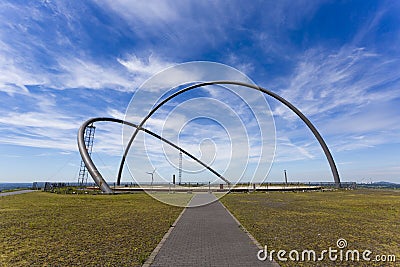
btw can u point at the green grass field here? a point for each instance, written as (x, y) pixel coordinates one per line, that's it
(44, 229)
(367, 219)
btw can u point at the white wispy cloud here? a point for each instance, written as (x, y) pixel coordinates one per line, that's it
(351, 77)
(345, 94)
(159, 12)
(73, 72)
(35, 52)
(77, 73)
(140, 67)
(31, 55)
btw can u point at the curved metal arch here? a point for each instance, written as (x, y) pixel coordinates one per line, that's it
(317, 135)
(97, 177)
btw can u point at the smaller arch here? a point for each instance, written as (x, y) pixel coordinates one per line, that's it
(94, 172)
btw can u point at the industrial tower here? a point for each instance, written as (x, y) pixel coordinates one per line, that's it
(89, 138)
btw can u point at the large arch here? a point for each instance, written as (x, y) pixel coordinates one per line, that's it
(317, 135)
(91, 167)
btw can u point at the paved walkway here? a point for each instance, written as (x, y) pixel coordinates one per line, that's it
(208, 236)
(16, 192)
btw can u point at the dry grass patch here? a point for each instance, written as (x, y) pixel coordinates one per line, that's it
(43, 229)
(367, 219)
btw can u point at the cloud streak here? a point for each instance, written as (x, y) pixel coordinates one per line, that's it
(346, 94)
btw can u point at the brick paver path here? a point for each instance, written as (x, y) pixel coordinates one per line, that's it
(208, 236)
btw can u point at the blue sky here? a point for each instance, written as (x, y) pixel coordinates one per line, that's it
(62, 62)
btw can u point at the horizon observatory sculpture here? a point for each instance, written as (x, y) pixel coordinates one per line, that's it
(103, 185)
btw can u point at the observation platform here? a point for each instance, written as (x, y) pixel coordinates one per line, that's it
(170, 188)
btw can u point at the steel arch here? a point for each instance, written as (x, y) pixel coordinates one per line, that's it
(91, 167)
(317, 135)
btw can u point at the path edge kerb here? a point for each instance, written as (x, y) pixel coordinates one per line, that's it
(154, 253)
(255, 242)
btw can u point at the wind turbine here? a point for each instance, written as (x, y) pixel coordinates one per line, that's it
(152, 176)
